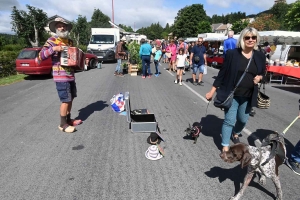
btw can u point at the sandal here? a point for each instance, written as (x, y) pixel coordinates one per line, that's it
(67, 128)
(75, 122)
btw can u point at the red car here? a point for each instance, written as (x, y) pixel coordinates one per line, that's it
(27, 62)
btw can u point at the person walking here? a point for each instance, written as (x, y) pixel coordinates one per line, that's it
(198, 60)
(120, 53)
(145, 53)
(157, 57)
(63, 76)
(245, 96)
(172, 48)
(229, 43)
(184, 46)
(163, 49)
(180, 64)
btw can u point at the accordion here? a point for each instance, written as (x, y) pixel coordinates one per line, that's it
(73, 57)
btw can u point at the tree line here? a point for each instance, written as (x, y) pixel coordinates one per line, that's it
(189, 22)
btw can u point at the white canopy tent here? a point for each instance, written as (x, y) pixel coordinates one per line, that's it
(287, 37)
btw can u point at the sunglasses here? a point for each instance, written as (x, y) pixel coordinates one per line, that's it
(200, 41)
(252, 37)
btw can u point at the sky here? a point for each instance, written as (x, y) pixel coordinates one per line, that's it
(134, 13)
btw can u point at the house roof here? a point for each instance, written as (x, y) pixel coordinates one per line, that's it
(215, 26)
(222, 27)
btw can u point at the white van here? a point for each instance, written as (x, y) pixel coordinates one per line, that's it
(285, 53)
(103, 43)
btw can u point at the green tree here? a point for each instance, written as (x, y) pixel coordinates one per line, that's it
(80, 31)
(29, 25)
(99, 20)
(228, 18)
(279, 11)
(126, 28)
(215, 19)
(154, 31)
(204, 27)
(187, 19)
(293, 17)
(265, 22)
(238, 26)
(167, 28)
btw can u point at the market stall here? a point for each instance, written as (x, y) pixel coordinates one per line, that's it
(283, 71)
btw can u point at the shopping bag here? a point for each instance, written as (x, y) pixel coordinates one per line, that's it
(205, 69)
(118, 103)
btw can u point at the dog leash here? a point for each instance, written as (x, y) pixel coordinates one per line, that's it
(287, 128)
(205, 111)
(207, 108)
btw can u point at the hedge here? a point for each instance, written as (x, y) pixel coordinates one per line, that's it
(8, 63)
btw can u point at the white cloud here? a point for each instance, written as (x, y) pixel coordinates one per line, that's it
(245, 4)
(134, 13)
(5, 26)
(8, 4)
(138, 13)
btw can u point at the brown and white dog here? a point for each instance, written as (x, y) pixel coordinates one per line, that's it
(257, 160)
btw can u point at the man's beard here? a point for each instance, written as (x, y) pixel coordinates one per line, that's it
(61, 34)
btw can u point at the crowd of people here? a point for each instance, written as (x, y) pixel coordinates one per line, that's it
(243, 63)
(178, 54)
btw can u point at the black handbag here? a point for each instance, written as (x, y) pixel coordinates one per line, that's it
(224, 100)
(223, 104)
(263, 101)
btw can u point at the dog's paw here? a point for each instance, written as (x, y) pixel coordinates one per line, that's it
(262, 180)
(233, 198)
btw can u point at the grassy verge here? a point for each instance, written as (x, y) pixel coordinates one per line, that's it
(12, 79)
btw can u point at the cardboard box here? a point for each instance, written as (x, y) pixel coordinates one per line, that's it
(140, 120)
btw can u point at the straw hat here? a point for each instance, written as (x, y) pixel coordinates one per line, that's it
(57, 20)
(152, 153)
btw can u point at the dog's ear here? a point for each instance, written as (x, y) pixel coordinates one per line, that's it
(246, 159)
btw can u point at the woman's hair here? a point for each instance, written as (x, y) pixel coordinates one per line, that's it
(181, 49)
(172, 40)
(245, 32)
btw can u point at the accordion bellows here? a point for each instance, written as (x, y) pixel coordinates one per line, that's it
(73, 57)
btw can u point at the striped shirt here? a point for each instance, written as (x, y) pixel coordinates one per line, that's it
(60, 73)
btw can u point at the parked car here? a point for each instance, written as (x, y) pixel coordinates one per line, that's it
(28, 62)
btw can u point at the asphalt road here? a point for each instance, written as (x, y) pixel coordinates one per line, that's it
(105, 160)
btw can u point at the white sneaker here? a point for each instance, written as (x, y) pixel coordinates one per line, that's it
(180, 83)
(175, 81)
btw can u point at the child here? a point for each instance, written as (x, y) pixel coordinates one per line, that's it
(180, 63)
(157, 58)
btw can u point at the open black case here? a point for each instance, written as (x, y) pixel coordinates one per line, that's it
(140, 120)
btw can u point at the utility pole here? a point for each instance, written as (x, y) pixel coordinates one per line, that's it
(112, 2)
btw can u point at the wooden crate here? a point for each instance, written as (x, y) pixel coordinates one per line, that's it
(132, 70)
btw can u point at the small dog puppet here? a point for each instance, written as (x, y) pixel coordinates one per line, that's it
(194, 132)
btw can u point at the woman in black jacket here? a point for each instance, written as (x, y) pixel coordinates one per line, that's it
(245, 96)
